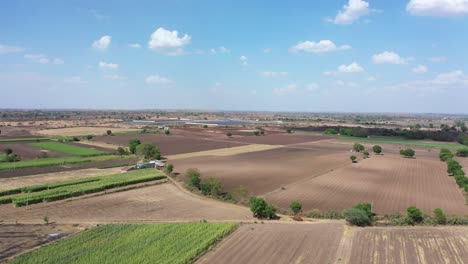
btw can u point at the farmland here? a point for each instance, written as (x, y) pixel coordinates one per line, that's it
(27, 151)
(399, 141)
(68, 149)
(62, 190)
(163, 243)
(49, 162)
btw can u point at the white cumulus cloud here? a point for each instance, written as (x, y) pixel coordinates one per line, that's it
(312, 86)
(108, 66)
(390, 57)
(168, 42)
(157, 79)
(273, 73)
(352, 12)
(289, 89)
(244, 60)
(220, 49)
(352, 68)
(114, 77)
(134, 46)
(318, 47)
(103, 43)
(420, 69)
(4, 49)
(439, 8)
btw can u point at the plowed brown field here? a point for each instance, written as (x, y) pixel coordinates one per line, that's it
(27, 151)
(391, 183)
(278, 243)
(164, 202)
(446, 245)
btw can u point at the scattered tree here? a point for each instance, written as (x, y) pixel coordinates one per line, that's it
(367, 208)
(148, 151)
(353, 158)
(462, 152)
(211, 186)
(193, 176)
(167, 132)
(109, 132)
(365, 153)
(358, 147)
(407, 153)
(330, 131)
(46, 219)
(289, 131)
(43, 154)
(439, 216)
(357, 217)
(261, 209)
(122, 151)
(414, 215)
(205, 126)
(257, 133)
(89, 137)
(8, 151)
(445, 154)
(132, 144)
(377, 149)
(229, 134)
(453, 166)
(170, 168)
(296, 207)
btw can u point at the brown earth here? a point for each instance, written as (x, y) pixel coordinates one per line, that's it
(281, 139)
(391, 183)
(18, 182)
(67, 167)
(80, 131)
(28, 151)
(157, 203)
(170, 145)
(278, 243)
(268, 170)
(410, 245)
(16, 239)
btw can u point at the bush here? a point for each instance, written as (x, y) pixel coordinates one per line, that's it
(407, 153)
(377, 149)
(12, 158)
(205, 126)
(332, 214)
(229, 134)
(357, 217)
(167, 132)
(445, 154)
(193, 176)
(261, 209)
(414, 215)
(353, 158)
(212, 186)
(257, 133)
(89, 137)
(462, 152)
(170, 168)
(440, 217)
(75, 139)
(121, 151)
(330, 131)
(148, 151)
(365, 153)
(109, 132)
(358, 147)
(457, 220)
(453, 166)
(8, 151)
(296, 207)
(366, 207)
(132, 144)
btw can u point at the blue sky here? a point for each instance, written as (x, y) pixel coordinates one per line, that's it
(340, 55)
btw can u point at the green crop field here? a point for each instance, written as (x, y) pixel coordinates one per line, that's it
(50, 162)
(66, 189)
(22, 139)
(132, 243)
(68, 149)
(401, 141)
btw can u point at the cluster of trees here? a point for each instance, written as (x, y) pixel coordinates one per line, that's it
(210, 187)
(10, 156)
(360, 148)
(261, 209)
(454, 169)
(354, 132)
(146, 151)
(407, 153)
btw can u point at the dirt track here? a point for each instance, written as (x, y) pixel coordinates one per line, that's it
(391, 183)
(158, 203)
(278, 243)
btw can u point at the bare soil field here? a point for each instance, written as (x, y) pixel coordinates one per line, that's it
(391, 183)
(80, 131)
(278, 243)
(67, 167)
(157, 203)
(23, 181)
(265, 171)
(281, 139)
(444, 245)
(28, 151)
(463, 162)
(170, 145)
(15, 132)
(225, 151)
(16, 239)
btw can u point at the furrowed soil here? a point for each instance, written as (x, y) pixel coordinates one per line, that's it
(390, 183)
(28, 151)
(170, 145)
(156, 203)
(444, 245)
(278, 243)
(265, 171)
(80, 131)
(15, 239)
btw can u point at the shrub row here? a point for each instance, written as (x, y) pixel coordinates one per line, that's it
(456, 170)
